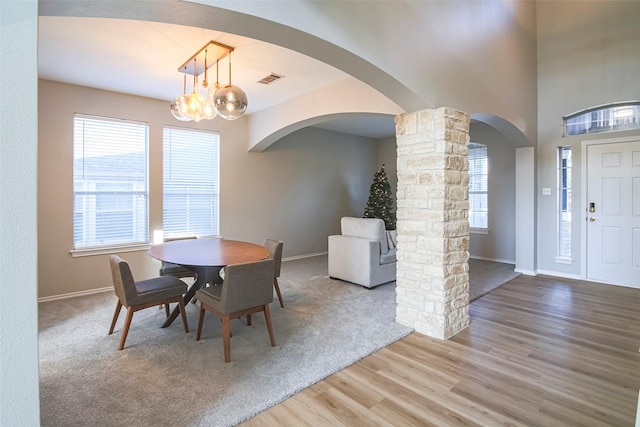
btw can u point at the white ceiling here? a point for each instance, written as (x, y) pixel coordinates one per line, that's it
(142, 58)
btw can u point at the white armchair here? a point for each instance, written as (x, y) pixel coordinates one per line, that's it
(364, 253)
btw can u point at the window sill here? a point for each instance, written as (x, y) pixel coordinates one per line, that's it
(564, 260)
(478, 230)
(108, 250)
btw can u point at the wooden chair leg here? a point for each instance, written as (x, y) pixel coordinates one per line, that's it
(249, 319)
(167, 309)
(183, 312)
(125, 329)
(226, 337)
(115, 316)
(267, 318)
(275, 285)
(200, 320)
(230, 334)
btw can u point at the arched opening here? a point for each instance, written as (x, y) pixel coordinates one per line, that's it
(511, 151)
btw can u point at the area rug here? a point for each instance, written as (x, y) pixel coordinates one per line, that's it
(166, 377)
(485, 276)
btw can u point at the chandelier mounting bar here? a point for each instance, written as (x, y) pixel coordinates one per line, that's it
(214, 51)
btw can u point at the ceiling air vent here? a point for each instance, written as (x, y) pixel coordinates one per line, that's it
(270, 79)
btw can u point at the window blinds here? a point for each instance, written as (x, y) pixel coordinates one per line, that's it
(478, 184)
(110, 191)
(191, 171)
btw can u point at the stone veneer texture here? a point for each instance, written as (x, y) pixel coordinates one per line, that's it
(432, 284)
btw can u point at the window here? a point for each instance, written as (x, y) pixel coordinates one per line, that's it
(478, 184)
(110, 191)
(608, 118)
(564, 204)
(191, 189)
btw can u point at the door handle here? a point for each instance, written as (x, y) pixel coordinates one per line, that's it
(592, 219)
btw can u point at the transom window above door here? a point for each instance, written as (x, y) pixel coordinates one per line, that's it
(604, 118)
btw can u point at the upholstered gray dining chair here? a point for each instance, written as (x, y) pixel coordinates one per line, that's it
(142, 294)
(247, 289)
(175, 270)
(275, 253)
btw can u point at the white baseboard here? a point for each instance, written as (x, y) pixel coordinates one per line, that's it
(75, 294)
(532, 272)
(560, 274)
(525, 272)
(292, 258)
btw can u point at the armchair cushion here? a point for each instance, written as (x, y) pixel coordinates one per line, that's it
(389, 257)
(368, 228)
(361, 254)
(392, 239)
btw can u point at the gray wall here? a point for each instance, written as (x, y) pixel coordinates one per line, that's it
(477, 56)
(19, 402)
(295, 191)
(499, 243)
(588, 55)
(388, 156)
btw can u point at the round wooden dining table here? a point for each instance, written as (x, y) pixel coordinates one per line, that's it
(205, 257)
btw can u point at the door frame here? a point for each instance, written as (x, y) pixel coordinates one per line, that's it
(584, 194)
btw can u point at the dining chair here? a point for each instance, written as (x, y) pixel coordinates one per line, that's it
(142, 294)
(275, 253)
(247, 289)
(175, 270)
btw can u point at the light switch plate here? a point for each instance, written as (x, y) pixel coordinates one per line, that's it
(546, 191)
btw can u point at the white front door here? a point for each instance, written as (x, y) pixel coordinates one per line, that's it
(613, 213)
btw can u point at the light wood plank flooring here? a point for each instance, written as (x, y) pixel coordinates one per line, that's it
(539, 352)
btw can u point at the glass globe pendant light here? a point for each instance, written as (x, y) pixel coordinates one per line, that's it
(206, 103)
(229, 101)
(191, 105)
(178, 101)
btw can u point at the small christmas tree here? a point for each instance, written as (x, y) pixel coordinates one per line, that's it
(380, 204)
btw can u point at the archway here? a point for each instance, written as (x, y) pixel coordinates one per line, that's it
(524, 190)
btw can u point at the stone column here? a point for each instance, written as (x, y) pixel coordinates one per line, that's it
(432, 284)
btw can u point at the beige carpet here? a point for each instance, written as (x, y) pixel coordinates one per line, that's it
(485, 276)
(165, 377)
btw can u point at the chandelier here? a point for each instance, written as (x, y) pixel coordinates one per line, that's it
(208, 101)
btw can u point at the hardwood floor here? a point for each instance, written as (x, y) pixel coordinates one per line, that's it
(539, 352)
